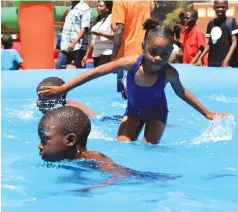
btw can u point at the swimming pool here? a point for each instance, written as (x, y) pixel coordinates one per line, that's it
(204, 153)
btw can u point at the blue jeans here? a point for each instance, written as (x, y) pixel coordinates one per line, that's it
(65, 58)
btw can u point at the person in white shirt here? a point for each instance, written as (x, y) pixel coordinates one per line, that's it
(101, 44)
(74, 39)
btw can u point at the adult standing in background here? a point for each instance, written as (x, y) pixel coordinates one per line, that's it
(102, 36)
(129, 17)
(74, 39)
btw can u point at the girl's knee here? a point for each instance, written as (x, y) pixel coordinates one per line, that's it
(123, 138)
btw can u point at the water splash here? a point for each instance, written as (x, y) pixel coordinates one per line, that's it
(23, 115)
(96, 133)
(222, 98)
(219, 129)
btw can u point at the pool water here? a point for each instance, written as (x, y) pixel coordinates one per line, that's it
(194, 168)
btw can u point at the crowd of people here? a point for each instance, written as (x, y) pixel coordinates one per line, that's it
(118, 32)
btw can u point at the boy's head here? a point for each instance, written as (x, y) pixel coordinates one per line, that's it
(158, 44)
(45, 103)
(63, 131)
(7, 41)
(181, 16)
(190, 17)
(220, 8)
(74, 3)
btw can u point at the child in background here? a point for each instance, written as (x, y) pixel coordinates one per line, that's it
(45, 104)
(176, 55)
(10, 58)
(222, 38)
(194, 39)
(148, 75)
(64, 134)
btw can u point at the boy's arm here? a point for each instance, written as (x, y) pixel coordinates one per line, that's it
(76, 39)
(19, 66)
(118, 35)
(197, 56)
(82, 107)
(200, 40)
(225, 63)
(108, 165)
(108, 68)
(18, 60)
(207, 47)
(206, 50)
(118, 18)
(187, 96)
(109, 181)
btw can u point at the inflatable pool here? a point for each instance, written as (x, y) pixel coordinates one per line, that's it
(203, 153)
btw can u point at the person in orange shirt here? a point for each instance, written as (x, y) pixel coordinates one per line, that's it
(194, 39)
(128, 18)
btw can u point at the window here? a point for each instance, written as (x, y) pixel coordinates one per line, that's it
(230, 12)
(201, 12)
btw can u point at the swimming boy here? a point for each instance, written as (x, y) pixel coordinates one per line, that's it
(148, 75)
(222, 42)
(45, 104)
(64, 133)
(10, 58)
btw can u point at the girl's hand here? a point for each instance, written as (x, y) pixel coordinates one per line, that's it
(212, 116)
(51, 90)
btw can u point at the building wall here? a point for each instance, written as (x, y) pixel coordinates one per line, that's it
(206, 13)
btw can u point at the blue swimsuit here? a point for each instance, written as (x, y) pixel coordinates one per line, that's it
(146, 103)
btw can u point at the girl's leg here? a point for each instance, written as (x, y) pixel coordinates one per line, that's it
(129, 129)
(154, 130)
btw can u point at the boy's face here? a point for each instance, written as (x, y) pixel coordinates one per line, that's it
(220, 8)
(53, 144)
(157, 52)
(189, 20)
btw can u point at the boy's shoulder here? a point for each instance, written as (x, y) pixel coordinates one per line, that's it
(9, 52)
(14, 51)
(98, 156)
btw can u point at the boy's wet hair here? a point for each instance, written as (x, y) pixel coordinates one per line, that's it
(193, 12)
(68, 120)
(51, 81)
(7, 41)
(154, 30)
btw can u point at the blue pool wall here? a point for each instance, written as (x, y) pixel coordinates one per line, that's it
(22, 84)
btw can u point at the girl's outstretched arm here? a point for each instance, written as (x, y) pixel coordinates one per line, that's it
(187, 96)
(108, 68)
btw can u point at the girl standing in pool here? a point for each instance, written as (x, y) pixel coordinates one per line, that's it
(148, 75)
